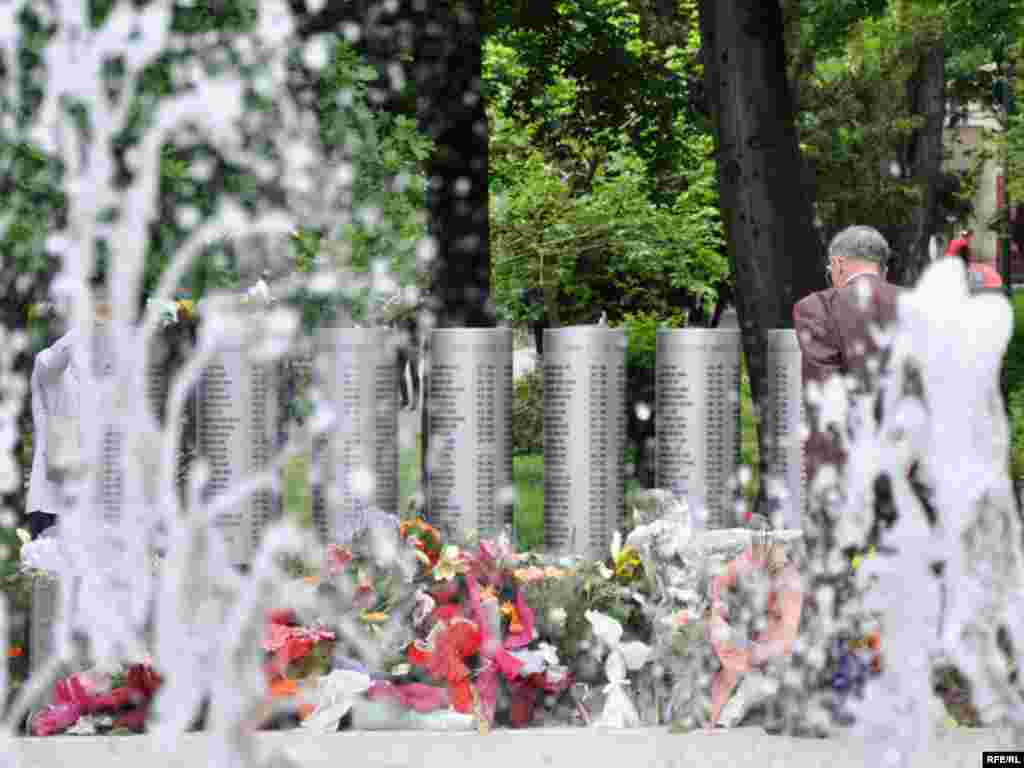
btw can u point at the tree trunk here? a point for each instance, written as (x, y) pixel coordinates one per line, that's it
(926, 91)
(449, 67)
(444, 40)
(769, 221)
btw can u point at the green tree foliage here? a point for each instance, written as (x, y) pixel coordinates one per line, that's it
(598, 71)
(856, 122)
(611, 249)
(856, 116)
(588, 204)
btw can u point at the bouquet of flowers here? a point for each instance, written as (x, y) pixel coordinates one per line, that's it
(95, 702)
(476, 632)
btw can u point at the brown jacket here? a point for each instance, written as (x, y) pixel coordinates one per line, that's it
(835, 328)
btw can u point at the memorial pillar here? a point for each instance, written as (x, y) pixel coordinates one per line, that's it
(584, 438)
(43, 620)
(782, 417)
(238, 426)
(355, 467)
(469, 430)
(697, 418)
(110, 485)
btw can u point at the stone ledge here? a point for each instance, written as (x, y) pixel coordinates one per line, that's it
(531, 748)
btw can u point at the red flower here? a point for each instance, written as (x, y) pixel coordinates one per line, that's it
(418, 696)
(72, 699)
(144, 679)
(290, 644)
(134, 720)
(524, 700)
(119, 698)
(337, 558)
(365, 597)
(496, 653)
(446, 593)
(285, 617)
(456, 642)
(448, 612)
(15, 651)
(55, 719)
(425, 537)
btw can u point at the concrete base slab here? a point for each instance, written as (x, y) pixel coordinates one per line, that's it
(533, 748)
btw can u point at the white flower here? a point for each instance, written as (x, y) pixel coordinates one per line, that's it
(550, 654)
(259, 291)
(335, 694)
(609, 631)
(84, 726)
(558, 616)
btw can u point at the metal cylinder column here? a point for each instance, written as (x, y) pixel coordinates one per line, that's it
(238, 427)
(697, 418)
(357, 463)
(782, 417)
(584, 438)
(469, 430)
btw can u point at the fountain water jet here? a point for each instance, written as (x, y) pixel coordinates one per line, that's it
(109, 596)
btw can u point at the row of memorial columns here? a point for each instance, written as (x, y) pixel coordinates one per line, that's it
(242, 408)
(469, 410)
(242, 411)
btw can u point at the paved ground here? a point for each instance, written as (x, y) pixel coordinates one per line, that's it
(639, 748)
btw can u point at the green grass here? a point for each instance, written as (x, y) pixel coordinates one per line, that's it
(1015, 388)
(298, 501)
(408, 474)
(528, 476)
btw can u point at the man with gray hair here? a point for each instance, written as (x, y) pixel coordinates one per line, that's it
(836, 327)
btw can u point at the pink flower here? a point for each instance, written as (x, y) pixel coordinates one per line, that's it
(290, 644)
(338, 558)
(71, 701)
(418, 696)
(55, 719)
(496, 654)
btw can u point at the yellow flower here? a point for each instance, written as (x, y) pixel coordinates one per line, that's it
(515, 625)
(627, 563)
(186, 308)
(858, 559)
(375, 617)
(450, 564)
(553, 573)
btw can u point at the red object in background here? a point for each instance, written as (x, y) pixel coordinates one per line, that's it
(957, 245)
(984, 276)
